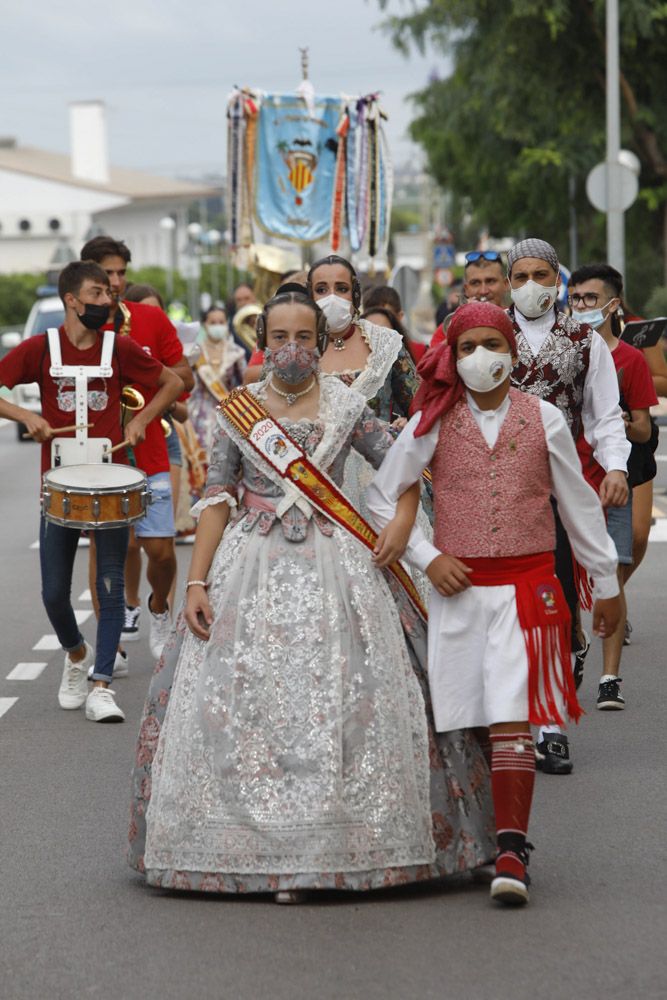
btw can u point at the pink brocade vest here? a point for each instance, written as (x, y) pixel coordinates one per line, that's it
(493, 502)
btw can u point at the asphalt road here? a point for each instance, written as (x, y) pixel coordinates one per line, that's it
(76, 922)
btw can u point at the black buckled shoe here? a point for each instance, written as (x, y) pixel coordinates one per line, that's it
(609, 695)
(552, 755)
(579, 660)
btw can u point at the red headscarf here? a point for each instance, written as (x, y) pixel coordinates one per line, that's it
(441, 385)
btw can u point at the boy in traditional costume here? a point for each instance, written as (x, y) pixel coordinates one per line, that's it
(499, 626)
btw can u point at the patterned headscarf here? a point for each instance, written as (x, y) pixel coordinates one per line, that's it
(532, 247)
(441, 385)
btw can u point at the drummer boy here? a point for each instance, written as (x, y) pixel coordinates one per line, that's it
(84, 289)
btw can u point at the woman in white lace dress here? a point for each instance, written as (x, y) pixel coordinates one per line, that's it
(286, 742)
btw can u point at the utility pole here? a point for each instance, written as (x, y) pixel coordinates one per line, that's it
(615, 216)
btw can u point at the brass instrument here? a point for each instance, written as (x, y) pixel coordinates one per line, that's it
(131, 400)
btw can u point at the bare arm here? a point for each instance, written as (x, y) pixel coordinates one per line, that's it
(393, 539)
(210, 529)
(655, 357)
(638, 426)
(37, 426)
(171, 386)
(184, 371)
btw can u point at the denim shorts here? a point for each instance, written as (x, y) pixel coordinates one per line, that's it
(174, 448)
(159, 520)
(619, 529)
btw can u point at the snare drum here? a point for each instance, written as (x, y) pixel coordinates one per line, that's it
(94, 496)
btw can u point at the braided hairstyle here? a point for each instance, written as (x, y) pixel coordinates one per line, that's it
(292, 294)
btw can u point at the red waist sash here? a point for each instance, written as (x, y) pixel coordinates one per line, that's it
(545, 620)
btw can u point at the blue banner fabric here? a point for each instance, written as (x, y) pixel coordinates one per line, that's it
(295, 165)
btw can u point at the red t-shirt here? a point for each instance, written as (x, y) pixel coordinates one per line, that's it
(638, 393)
(154, 332)
(30, 362)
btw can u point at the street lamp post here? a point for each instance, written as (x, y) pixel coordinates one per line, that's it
(194, 232)
(615, 219)
(168, 225)
(213, 238)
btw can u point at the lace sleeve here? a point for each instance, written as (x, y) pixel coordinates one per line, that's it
(371, 438)
(223, 472)
(404, 384)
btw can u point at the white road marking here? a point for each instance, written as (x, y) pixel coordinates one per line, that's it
(85, 596)
(47, 642)
(26, 672)
(660, 458)
(35, 545)
(658, 531)
(6, 704)
(82, 615)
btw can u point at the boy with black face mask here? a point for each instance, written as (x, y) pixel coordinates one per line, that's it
(84, 289)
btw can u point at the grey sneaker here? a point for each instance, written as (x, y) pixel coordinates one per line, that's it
(73, 688)
(101, 707)
(160, 629)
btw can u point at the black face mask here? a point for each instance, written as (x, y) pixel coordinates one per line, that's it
(94, 317)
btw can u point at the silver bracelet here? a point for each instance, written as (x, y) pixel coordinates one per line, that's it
(196, 583)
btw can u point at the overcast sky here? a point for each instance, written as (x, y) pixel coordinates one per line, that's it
(165, 69)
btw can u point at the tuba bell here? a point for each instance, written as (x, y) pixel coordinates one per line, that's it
(131, 401)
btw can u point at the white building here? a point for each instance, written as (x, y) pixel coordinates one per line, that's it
(50, 203)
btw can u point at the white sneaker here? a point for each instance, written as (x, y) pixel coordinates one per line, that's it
(130, 631)
(160, 629)
(101, 707)
(73, 688)
(120, 666)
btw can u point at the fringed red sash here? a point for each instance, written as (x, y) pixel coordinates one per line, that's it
(583, 585)
(545, 621)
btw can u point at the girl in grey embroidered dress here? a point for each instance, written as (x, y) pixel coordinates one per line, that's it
(292, 749)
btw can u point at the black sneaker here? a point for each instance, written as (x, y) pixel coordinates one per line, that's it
(552, 755)
(511, 880)
(579, 660)
(609, 696)
(130, 631)
(626, 633)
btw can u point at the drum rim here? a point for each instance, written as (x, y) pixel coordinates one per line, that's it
(140, 480)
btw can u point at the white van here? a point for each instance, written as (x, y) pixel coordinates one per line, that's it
(46, 312)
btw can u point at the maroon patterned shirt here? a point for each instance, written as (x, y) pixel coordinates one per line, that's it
(558, 372)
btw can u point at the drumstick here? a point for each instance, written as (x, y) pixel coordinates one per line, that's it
(110, 451)
(61, 430)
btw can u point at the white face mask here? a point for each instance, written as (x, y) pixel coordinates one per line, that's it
(533, 299)
(484, 370)
(594, 317)
(217, 331)
(338, 312)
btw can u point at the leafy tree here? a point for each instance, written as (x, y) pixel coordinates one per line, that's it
(523, 112)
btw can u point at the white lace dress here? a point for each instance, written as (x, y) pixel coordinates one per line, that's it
(294, 748)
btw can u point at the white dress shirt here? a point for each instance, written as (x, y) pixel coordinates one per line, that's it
(578, 504)
(600, 413)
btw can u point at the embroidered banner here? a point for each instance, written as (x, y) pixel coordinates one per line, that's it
(295, 166)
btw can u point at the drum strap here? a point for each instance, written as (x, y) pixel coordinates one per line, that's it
(80, 374)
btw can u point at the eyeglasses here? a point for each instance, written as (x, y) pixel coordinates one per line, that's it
(588, 299)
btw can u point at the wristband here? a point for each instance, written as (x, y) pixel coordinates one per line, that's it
(196, 583)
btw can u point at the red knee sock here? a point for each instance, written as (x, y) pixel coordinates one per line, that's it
(512, 780)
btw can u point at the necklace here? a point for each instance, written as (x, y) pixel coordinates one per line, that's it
(339, 341)
(292, 397)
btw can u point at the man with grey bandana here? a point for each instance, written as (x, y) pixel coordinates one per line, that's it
(567, 364)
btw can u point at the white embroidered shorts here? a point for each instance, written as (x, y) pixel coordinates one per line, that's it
(477, 660)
